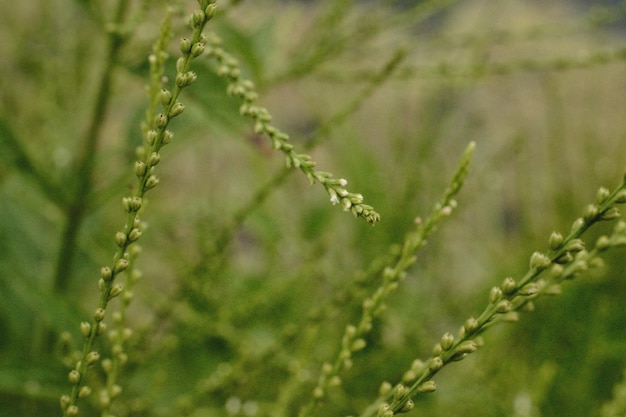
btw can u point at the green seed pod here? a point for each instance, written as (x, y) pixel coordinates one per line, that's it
(508, 286)
(408, 406)
(85, 329)
(92, 357)
(84, 392)
(74, 377)
(99, 315)
(197, 49)
(428, 386)
(106, 273)
(176, 109)
(120, 266)
(555, 241)
(447, 340)
(185, 46)
(120, 239)
(161, 121)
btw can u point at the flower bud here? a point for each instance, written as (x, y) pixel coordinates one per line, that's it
(539, 261)
(577, 225)
(447, 340)
(99, 315)
(185, 46)
(470, 325)
(120, 239)
(408, 406)
(85, 329)
(65, 402)
(176, 109)
(495, 294)
(84, 392)
(603, 243)
(398, 392)
(197, 49)
(134, 235)
(74, 377)
(120, 265)
(575, 246)
(428, 386)
(154, 159)
(166, 98)
(620, 198)
(152, 134)
(602, 194)
(435, 364)
(385, 388)
(167, 137)
(611, 214)
(115, 291)
(161, 120)
(555, 240)
(508, 286)
(72, 411)
(151, 182)
(591, 211)
(210, 11)
(197, 18)
(504, 306)
(106, 273)
(92, 357)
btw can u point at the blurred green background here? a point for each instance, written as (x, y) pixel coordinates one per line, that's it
(237, 321)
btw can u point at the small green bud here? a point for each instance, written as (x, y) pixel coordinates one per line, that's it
(318, 393)
(603, 243)
(120, 265)
(134, 235)
(176, 109)
(115, 391)
(575, 246)
(409, 376)
(185, 46)
(529, 289)
(140, 169)
(408, 406)
(210, 11)
(197, 18)
(152, 134)
(101, 284)
(437, 349)
(467, 346)
(99, 315)
(64, 401)
(554, 289)
(85, 329)
(385, 389)
(154, 159)
(167, 137)
(161, 121)
(591, 211)
(564, 258)
(166, 99)
(508, 286)
(358, 344)
(447, 340)
(398, 392)
(539, 261)
(602, 194)
(151, 182)
(197, 49)
(92, 357)
(555, 241)
(428, 386)
(435, 364)
(180, 65)
(115, 291)
(102, 327)
(611, 214)
(107, 365)
(84, 392)
(577, 225)
(495, 294)
(74, 377)
(384, 410)
(72, 411)
(504, 306)
(120, 239)
(470, 325)
(106, 273)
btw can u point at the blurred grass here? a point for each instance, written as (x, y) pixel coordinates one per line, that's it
(535, 85)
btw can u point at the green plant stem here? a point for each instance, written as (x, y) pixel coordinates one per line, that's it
(77, 208)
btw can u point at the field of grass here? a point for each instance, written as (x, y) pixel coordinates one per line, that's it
(249, 293)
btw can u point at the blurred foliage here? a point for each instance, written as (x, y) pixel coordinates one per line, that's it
(235, 315)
